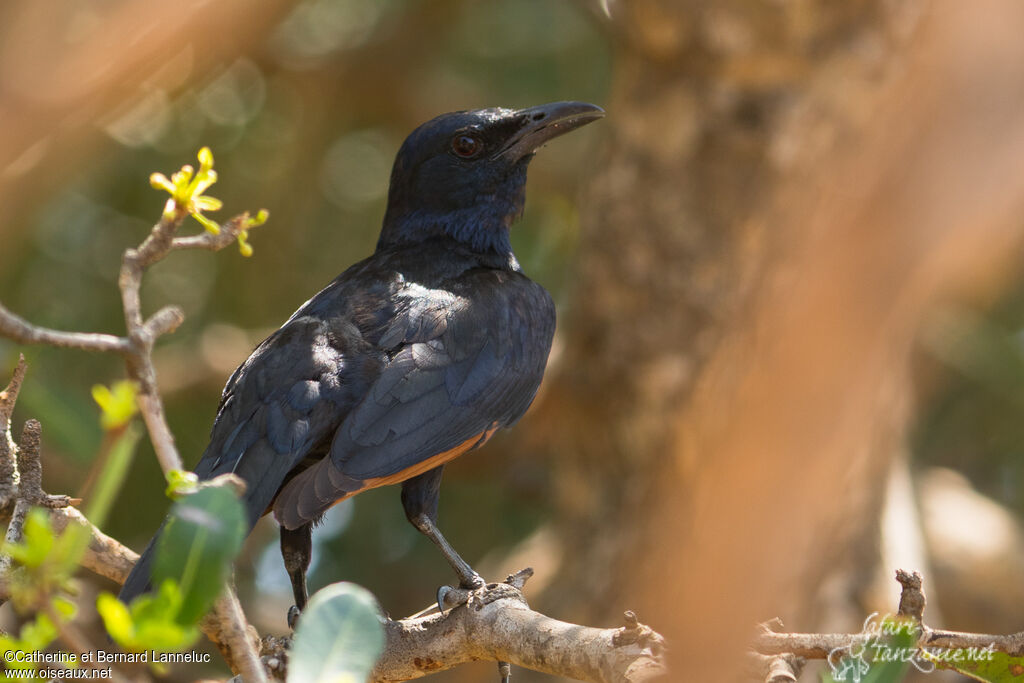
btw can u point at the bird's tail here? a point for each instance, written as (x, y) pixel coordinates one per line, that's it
(138, 581)
(262, 470)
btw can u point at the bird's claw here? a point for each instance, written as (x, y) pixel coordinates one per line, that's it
(442, 592)
(467, 585)
(293, 616)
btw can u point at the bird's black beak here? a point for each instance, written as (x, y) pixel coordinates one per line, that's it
(547, 121)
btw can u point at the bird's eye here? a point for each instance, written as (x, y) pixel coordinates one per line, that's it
(466, 145)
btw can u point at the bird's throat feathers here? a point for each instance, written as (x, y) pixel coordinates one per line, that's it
(481, 222)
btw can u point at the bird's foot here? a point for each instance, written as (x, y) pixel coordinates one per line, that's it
(293, 616)
(472, 582)
(448, 597)
(505, 671)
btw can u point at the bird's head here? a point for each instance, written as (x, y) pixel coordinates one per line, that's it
(464, 174)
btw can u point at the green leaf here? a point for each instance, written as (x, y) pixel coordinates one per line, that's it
(37, 635)
(46, 562)
(884, 657)
(983, 664)
(117, 403)
(151, 621)
(116, 618)
(113, 475)
(203, 534)
(181, 483)
(156, 619)
(68, 550)
(339, 638)
(34, 637)
(37, 540)
(64, 607)
(13, 645)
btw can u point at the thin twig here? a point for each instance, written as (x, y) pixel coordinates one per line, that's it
(105, 556)
(236, 639)
(137, 345)
(161, 241)
(214, 242)
(230, 630)
(23, 332)
(164, 321)
(819, 645)
(912, 601)
(8, 449)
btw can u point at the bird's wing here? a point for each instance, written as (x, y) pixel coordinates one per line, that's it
(287, 399)
(458, 370)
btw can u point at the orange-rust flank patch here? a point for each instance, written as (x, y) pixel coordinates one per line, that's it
(431, 462)
(1017, 669)
(426, 664)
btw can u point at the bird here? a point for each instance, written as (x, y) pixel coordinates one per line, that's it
(410, 358)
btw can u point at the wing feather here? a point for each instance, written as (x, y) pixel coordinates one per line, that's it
(456, 371)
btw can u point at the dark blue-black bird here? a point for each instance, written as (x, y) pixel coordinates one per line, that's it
(410, 357)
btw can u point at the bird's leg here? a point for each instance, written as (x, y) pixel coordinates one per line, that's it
(467, 577)
(505, 671)
(297, 550)
(420, 496)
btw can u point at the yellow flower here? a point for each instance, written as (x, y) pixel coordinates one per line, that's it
(186, 188)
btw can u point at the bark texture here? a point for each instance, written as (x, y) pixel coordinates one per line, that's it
(788, 190)
(712, 107)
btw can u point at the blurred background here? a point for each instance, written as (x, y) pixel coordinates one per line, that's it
(787, 267)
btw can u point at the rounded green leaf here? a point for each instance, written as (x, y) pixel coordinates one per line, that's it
(340, 636)
(203, 534)
(982, 664)
(116, 617)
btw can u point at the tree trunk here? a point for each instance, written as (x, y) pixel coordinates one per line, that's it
(711, 104)
(779, 203)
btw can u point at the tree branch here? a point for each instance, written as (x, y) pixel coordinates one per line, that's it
(227, 627)
(494, 623)
(137, 345)
(784, 668)
(208, 241)
(8, 449)
(23, 332)
(237, 640)
(29, 489)
(912, 601)
(105, 556)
